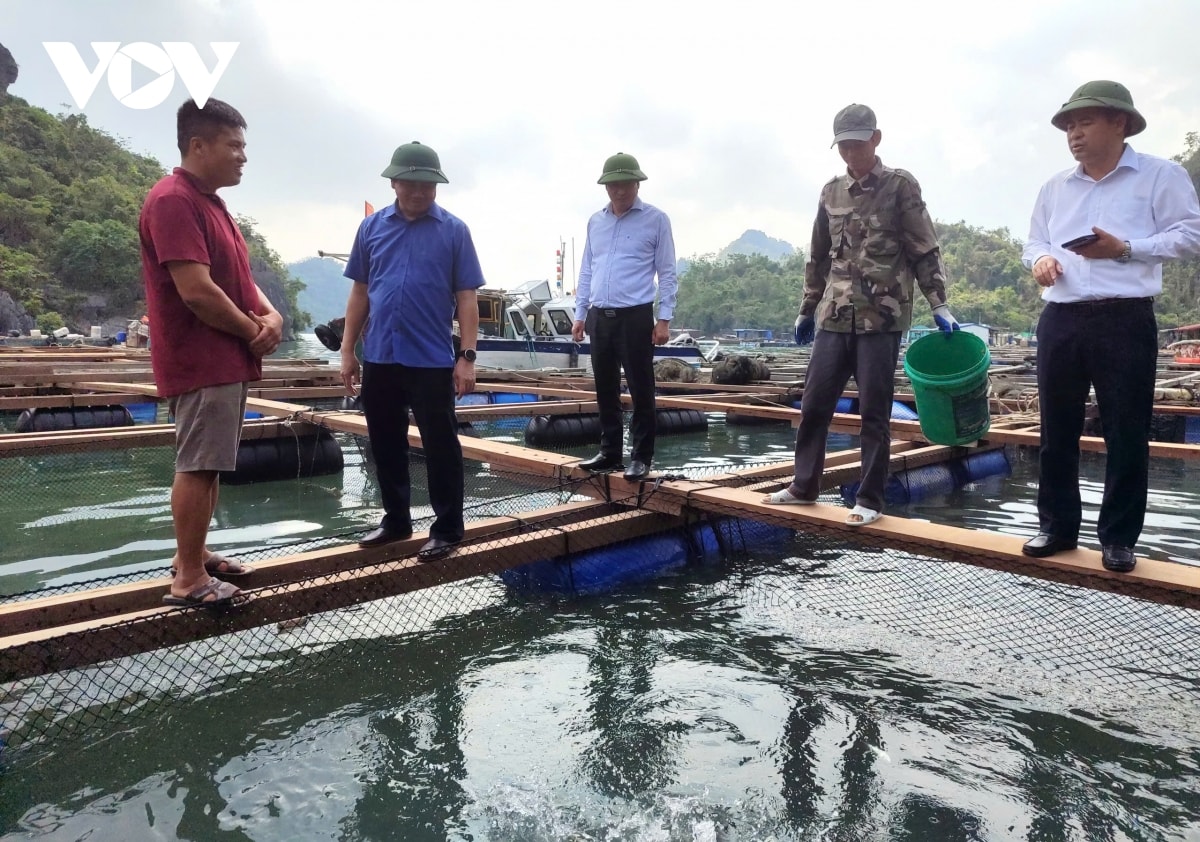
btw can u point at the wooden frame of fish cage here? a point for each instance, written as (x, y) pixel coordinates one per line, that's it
(44, 635)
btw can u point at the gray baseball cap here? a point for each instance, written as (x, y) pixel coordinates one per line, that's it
(854, 122)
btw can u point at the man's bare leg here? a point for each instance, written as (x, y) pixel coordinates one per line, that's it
(193, 494)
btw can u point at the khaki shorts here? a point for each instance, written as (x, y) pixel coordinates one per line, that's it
(208, 427)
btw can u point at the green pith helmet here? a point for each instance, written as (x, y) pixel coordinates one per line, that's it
(621, 167)
(1102, 94)
(416, 162)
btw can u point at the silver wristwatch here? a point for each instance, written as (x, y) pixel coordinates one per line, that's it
(1125, 255)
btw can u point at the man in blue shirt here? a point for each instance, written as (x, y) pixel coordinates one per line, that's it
(628, 243)
(413, 265)
(1099, 235)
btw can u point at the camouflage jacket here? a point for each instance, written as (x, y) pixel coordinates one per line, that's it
(870, 239)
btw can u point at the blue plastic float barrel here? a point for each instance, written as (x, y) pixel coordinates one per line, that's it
(144, 413)
(630, 562)
(926, 481)
(507, 397)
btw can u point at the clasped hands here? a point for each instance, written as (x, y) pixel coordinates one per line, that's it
(270, 333)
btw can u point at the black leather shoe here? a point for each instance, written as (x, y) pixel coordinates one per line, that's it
(637, 470)
(436, 548)
(1118, 559)
(379, 537)
(1044, 544)
(602, 462)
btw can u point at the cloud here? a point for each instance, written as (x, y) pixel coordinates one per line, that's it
(729, 108)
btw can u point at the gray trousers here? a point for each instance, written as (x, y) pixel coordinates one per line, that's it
(871, 359)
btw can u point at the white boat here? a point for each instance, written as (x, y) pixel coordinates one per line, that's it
(530, 329)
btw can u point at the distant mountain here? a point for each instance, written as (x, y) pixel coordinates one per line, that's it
(326, 289)
(756, 242)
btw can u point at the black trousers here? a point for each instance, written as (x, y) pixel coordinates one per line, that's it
(388, 392)
(1111, 345)
(871, 359)
(623, 338)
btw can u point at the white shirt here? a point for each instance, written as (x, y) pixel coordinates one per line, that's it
(1146, 200)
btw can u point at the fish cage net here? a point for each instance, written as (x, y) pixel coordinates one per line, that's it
(553, 538)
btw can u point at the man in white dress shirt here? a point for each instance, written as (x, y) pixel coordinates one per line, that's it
(1099, 235)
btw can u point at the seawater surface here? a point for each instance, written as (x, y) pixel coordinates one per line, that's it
(799, 691)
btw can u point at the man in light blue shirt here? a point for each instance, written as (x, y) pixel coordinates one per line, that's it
(628, 244)
(1097, 241)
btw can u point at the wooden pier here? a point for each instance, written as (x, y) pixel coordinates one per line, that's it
(43, 635)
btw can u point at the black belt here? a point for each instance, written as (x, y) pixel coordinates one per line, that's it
(1104, 302)
(614, 312)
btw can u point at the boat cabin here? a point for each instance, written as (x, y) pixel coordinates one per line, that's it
(527, 312)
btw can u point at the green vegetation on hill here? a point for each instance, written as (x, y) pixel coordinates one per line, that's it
(325, 287)
(70, 195)
(988, 283)
(756, 242)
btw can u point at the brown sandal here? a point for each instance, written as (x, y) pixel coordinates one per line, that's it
(218, 565)
(222, 594)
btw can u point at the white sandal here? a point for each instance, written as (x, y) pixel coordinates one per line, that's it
(785, 497)
(864, 516)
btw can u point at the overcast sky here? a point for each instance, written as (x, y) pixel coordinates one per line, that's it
(727, 106)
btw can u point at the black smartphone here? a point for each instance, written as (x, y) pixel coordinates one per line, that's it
(1080, 242)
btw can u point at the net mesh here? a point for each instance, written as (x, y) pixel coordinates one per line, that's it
(545, 536)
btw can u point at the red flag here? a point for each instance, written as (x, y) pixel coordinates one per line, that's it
(368, 209)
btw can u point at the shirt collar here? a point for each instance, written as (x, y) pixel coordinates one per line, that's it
(868, 180)
(637, 205)
(435, 211)
(1128, 159)
(195, 184)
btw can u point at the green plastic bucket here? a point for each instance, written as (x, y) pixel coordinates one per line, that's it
(949, 379)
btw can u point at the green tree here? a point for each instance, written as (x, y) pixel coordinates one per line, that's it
(720, 295)
(100, 257)
(70, 196)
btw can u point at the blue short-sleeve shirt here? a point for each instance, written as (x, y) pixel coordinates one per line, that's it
(412, 269)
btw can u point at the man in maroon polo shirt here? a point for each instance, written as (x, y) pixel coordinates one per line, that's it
(211, 326)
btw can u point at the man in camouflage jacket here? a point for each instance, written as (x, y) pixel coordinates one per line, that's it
(871, 238)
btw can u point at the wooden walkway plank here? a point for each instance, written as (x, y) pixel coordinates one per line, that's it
(1160, 581)
(140, 435)
(88, 606)
(83, 644)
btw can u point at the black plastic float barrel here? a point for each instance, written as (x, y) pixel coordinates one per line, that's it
(576, 428)
(285, 457)
(54, 419)
(672, 421)
(740, 419)
(1170, 428)
(584, 428)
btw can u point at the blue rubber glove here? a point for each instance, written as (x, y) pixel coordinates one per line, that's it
(806, 330)
(944, 319)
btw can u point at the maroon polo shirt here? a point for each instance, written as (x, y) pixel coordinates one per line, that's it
(181, 222)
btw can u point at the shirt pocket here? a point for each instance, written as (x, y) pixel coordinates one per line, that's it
(1131, 219)
(883, 237)
(839, 220)
(641, 244)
